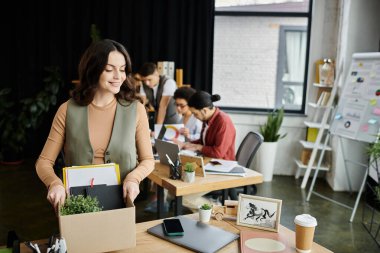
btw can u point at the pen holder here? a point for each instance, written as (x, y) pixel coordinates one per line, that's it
(175, 171)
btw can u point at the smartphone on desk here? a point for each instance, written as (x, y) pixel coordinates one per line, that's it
(173, 227)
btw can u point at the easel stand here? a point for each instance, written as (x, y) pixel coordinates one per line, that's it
(346, 161)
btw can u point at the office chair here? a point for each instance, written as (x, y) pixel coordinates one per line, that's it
(244, 156)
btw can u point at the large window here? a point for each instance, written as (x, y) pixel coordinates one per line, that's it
(260, 54)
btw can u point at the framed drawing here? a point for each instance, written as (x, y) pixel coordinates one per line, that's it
(259, 212)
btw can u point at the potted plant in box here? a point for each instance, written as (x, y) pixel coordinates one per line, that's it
(205, 212)
(189, 173)
(267, 151)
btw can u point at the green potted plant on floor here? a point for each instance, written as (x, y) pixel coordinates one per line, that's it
(18, 118)
(266, 154)
(374, 154)
(189, 173)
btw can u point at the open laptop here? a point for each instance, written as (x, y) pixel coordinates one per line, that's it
(166, 148)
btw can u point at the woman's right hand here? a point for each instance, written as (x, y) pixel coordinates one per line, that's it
(56, 196)
(185, 132)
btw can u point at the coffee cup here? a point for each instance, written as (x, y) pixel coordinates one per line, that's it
(305, 227)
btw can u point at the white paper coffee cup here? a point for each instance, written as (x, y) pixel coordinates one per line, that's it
(305, 227)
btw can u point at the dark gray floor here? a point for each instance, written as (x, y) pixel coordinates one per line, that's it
(24, 208)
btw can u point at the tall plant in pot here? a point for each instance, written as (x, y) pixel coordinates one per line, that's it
(266, 155)
(18, 118)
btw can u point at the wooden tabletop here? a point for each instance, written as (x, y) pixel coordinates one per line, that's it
(160, 176)
(149, 243)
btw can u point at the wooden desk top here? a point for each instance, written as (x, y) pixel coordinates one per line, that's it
(149, 243)
(160, 176)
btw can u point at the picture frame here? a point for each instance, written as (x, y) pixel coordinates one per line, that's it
(197, 161)
(259, 212)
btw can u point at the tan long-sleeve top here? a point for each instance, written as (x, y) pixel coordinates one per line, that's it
(100, 122)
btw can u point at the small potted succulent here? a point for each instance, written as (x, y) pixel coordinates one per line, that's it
(189, 173)
(205, 212)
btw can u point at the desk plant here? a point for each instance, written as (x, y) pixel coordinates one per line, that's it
(266, 154)
(205, 212)
(189, 175)
(80, 204)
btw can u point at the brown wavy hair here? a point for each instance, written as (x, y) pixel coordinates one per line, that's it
(92, 65)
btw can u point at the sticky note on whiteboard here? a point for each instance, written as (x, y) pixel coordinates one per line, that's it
(372, 121)
(364, 128)
(373, 102)
(376, 111)
(338, 116)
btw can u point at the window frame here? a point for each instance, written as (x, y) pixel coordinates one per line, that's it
(307, 15)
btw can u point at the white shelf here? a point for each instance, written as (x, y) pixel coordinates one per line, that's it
(323, 85)
(315, 105)
(315, 125)
(310, 145)
(304, 166)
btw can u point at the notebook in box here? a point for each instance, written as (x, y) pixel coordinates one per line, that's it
(198, 236)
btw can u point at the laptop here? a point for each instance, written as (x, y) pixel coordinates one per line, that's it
(166, 148)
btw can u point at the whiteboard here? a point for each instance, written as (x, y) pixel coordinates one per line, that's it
(358, 112)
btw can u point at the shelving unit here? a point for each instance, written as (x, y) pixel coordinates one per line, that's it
(320, 121)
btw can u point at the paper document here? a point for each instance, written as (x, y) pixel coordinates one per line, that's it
(108, 174)
(168, 132)
(220, 165)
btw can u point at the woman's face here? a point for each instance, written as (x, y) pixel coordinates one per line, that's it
(113, 74)
(181, 105)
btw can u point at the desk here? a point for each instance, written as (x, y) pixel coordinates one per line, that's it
(178, 188)
(149, 243)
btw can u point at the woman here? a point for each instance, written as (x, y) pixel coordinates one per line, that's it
(193, 126)
(218, 133)
(103, 122)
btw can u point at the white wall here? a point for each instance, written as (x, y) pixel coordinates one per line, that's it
(323, 44)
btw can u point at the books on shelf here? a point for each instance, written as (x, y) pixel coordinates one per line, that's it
(324, 98)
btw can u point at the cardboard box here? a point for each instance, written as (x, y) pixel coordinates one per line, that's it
(100, 231)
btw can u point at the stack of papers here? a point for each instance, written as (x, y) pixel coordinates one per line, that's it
(224, 167)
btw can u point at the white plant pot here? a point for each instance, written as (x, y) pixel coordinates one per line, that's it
(189, 177)
(204, 215)
(266, 156)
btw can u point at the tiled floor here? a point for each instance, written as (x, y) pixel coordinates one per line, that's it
(24, 208)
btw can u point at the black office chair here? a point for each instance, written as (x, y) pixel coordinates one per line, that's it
(244, 156)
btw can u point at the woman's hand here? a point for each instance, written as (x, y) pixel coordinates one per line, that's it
(56, 196)
(130, 189)
(185, 132)
(178, 142)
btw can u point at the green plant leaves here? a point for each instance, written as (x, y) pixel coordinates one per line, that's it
(206, 206)
(80, 204)
(271, 128)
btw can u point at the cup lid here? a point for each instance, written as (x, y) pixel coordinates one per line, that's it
(305, 220)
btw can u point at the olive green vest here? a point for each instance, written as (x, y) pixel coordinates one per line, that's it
(121, 148)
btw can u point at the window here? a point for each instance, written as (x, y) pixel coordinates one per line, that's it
(260, 54)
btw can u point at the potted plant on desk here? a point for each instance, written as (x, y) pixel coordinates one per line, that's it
(189, 173)
(266, 155)
(205, 212)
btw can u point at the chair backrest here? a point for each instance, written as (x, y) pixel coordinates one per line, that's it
(248, 148)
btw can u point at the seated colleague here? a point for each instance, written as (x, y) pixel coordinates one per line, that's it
(193, 126)
(218, 133)
(103, 122)
(157, 91)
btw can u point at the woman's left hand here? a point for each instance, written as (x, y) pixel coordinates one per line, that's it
(130, 189)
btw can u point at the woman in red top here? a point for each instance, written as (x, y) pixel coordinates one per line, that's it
(218, 133)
